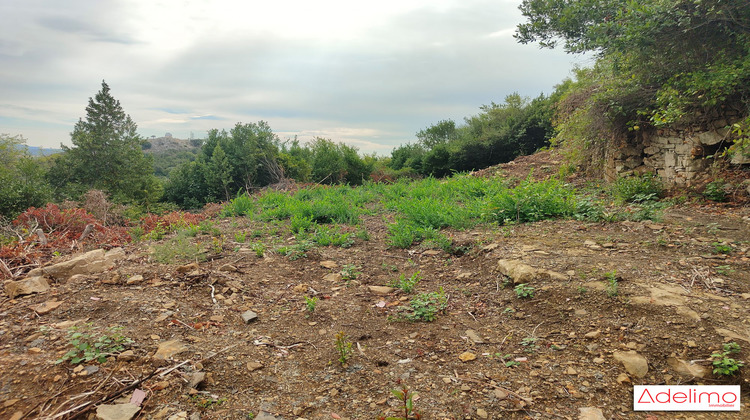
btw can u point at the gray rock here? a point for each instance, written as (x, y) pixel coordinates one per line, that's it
(634, 363)
(27, 286)
(249, 316)
(196, 378)
(473, 336)
(117, 412)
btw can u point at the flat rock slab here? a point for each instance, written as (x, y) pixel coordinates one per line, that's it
(117, 412)
(590, 413)
(473, 336)
(45, 307)
(686, 369)
(520, 272)
(381, 290)
(634, 363)
(167, 349)
(92, 262)
(27, 286)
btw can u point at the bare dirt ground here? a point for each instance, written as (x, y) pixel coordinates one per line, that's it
(683, 289)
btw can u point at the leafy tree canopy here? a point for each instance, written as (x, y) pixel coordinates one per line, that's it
(674, 56)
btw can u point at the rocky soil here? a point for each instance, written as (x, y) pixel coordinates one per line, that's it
(613, 305)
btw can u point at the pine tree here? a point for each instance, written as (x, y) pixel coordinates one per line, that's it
(107, 152)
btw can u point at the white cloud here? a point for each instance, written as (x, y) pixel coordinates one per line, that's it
(370, 74)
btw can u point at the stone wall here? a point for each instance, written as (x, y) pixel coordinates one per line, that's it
(678, 157)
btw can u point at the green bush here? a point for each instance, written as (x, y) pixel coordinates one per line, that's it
(637, 189)
(532, 201)
(242, 205)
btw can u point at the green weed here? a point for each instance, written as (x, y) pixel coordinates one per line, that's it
(407, 284)
(406, 399)
(89, 345)
(725, 365)
(343, 347)
(311, 303)
(426, 306)
(637, 189)
(523, 290)
(612, 285)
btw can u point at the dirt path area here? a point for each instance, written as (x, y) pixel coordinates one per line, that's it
(252, 334)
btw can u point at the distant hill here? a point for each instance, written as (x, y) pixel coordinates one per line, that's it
(41, 151)
(170, 152)
(161, 144)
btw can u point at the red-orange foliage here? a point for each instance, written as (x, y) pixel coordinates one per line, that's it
(170, 221)
(62, 229)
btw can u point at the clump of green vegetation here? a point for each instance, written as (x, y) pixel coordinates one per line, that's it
(259, 248)
(426, 306)
(532, 201)
(327, 236)
(715, 191)
(350, 272)
(88, 345)
(406, 399)
(136, 233)
(720, 248)
(407, 284)
(637, 189)
(296, 251)
(242, 205)
(362, 234)
(240, 236)
(311, 303)
(724, 269)
(725, 365)
(179, 248)
(530, 343)
(343, 347)
(523, 290)
(612, 285)
(208, 227)
(207, 402)
(299, 223)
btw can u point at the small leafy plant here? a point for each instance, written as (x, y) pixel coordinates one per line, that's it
(426, 306)
(407, 285)
(259, 249)
(725, 365)
(612, 286)
(343, 347)
(88, 346)
(207, 402)
(311, 303)
(350, 272)
(240, 237)
(523, 290)
(406, 398)
(715, 191)
(720, 248)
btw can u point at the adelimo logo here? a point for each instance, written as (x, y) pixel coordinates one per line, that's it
(686, 398)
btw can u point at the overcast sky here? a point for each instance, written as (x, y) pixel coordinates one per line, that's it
(370, 74)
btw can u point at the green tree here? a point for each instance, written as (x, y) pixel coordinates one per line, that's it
(107, 153)
(662, 59)
(22, 183)
(218, 174)
(442, 132)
